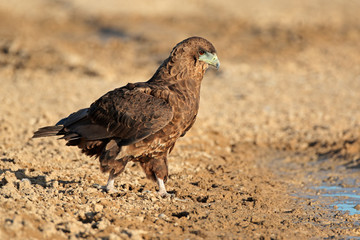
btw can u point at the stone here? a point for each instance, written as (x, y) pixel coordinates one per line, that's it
(97, 207)
(9, 177)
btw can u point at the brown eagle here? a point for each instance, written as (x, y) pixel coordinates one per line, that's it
(141, 121)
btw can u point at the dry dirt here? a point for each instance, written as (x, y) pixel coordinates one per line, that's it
(280, 119)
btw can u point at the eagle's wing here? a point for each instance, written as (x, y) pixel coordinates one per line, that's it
(128, 115)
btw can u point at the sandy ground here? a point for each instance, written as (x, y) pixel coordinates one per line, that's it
(280, 119)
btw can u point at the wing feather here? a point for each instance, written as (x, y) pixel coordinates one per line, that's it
(130, 115)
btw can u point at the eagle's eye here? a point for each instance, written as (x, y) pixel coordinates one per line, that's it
(201, 52)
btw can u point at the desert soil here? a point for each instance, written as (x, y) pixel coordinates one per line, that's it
(278, 120)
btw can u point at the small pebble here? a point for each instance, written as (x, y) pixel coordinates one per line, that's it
(161, 215)
(357, 207)
(113, 236)
(140, 218)
(26, 182)
(9, 177)
(103, 224)
(98, 207)
(55, 184)
(91, 190)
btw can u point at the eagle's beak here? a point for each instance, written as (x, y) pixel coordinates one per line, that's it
(210, 59)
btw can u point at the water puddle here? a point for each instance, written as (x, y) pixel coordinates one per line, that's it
(343, 199)
(338, 184)
(329, 188)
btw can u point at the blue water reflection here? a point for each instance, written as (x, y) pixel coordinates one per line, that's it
(345, 198)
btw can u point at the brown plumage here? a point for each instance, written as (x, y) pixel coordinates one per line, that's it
(142, 121)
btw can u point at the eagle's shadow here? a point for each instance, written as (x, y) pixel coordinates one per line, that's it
(35, 180)
(20, 175)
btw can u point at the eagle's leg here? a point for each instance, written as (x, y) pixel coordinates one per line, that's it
(109, 187)
(109, 163)
(157, 170)
(117, 167)
(162, 190)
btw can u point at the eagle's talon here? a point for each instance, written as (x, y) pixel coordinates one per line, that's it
(109, 189)
(166, 195)
(162, 190)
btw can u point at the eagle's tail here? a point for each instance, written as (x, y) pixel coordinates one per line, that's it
(47, 131)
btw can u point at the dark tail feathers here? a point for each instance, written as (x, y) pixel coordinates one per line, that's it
(47, 131)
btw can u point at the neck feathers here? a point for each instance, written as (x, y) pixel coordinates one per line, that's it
(174, 70)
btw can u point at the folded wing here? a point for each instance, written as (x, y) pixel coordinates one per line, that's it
(122, 114)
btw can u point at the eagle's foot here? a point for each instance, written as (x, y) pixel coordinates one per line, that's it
(166, 194)
(109, 189)
(162, 190)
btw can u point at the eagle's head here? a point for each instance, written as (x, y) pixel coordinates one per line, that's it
(188, 60)
(196, 49)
